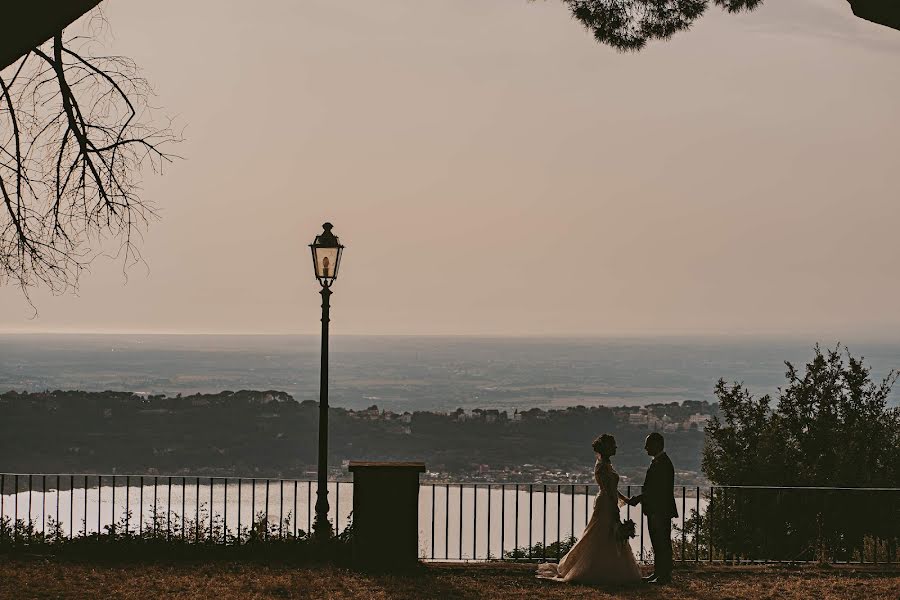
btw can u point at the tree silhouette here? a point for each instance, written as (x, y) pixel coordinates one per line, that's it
(75, 131)
(829, 437)
(627, 25)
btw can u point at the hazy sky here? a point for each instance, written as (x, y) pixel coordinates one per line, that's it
(493, 170)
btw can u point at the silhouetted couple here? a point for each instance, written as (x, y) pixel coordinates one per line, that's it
(603, 554)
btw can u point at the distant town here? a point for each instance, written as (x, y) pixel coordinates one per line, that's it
(671, 418)
(269, 434)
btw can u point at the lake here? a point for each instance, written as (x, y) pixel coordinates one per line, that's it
(455, 522)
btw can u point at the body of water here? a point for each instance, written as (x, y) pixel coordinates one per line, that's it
(418, 373)
(455, 521)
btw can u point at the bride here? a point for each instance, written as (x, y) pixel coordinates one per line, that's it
(599, 556)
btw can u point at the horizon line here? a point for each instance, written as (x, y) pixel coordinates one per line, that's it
(636, 334)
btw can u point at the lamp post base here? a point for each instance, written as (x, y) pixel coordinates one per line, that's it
(322, 529)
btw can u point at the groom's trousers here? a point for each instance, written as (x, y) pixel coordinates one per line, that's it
(660, 528)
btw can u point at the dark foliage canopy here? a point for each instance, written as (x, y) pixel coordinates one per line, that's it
(807, 478)
(627, 25)
(831, 426)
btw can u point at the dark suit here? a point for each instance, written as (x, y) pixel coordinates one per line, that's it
(658, 500)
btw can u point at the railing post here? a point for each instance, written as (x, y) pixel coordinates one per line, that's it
(461, 488)
(183, 506)
(447, 521)
(697, 534)
(155, 504)
(558, 521)
(197, 527)
(683, 518)
(709, 514)
(544, 524)
(99, 504)
(488, 521)
(28, 525)
(16, 511)
(140, 509)
(225, 511)
(725, 537)
(502, 520)
(127, 497)
(212, 538)
(112, 521)
(530, 517)
(572, 527)
(85, 505)
(474, 521)
(433, 503)
(2, 498)
(516, 526)
(58, 525)
(641, 521)
(169, 509)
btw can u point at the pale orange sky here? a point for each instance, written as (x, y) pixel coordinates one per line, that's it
(493, 170)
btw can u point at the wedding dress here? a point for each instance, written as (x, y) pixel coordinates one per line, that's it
(598, 557)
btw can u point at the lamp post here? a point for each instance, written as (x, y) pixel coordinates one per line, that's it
(326, 255)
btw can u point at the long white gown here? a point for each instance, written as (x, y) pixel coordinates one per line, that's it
(598, 557)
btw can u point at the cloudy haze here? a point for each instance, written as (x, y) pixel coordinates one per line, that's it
(492, 170)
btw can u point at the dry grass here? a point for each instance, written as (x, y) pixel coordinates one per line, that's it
(39, 578)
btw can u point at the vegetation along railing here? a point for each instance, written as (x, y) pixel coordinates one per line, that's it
(457, 521)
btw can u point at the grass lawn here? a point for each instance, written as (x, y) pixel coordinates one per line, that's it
(42, 578)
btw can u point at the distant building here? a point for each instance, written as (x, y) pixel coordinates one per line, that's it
(638, 419)
(699, 420)
(494, 416)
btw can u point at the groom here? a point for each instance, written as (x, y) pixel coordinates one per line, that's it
(658, 498)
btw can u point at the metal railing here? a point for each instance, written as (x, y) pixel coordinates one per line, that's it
(718, 524)
(226, 510)
(458, 521)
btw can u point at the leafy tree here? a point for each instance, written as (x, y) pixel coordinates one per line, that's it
(627, 25)
(831, 427)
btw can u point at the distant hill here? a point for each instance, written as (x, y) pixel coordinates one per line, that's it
(268, 433)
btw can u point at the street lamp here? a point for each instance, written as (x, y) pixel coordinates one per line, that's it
(326, 255)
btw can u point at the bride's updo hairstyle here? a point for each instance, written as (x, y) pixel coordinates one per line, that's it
(604, 445)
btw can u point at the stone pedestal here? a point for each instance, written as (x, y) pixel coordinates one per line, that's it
(386, 513)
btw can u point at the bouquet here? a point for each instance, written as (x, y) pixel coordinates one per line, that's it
(624, 531)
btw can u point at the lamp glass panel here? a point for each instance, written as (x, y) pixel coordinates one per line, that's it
(326, 260)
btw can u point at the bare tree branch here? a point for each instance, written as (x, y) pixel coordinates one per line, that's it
(76, 132)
